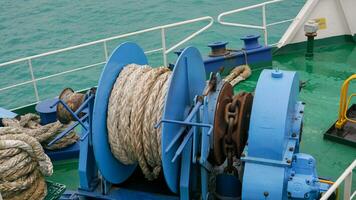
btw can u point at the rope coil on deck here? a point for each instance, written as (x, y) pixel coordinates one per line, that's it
(30, 124)
(23, 165)
(136, 104)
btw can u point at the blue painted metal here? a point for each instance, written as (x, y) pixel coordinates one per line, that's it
(271, 119)
(273, 167)
(111, 168)
(228, 186)
(6, 114)
(197, 127)
(84, 107)
(178, 52)
(64, 133)
(303, 180)
(73, 150)
(88, 170)
(251, 42)
(187, 81)
(185, 170)
(75, 114)
(216, 46)
(255, 54)
(189, 118)
(207, 116)
(47, 112)
(69, 152)
(118, 194)
(270, 128)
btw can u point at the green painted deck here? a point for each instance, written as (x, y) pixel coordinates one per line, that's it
(324, 75)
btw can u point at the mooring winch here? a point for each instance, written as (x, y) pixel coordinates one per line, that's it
(205, 129)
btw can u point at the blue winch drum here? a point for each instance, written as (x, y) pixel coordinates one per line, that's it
(187, 81)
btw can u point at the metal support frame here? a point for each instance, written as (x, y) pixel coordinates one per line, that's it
(87, 167)
(192, 127)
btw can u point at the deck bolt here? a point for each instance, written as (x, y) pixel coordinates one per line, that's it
(265, 194)
(294, 135)
(301, 112)
(289, 194)
(291, 149)
(303, 103)
(308, 182)
(288, 161)
(306, 195)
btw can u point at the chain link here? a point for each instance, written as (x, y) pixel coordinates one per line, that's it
(231, 118)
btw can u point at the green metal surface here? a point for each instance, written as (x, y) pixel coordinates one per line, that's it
(324, 75)
(54, 190)
(66, 172)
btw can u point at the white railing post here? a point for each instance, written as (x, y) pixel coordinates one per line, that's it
(105, 51)
(264, 21)
(345, 177)
(33, 80)
(263, 27)
(163, 36)
(347, 186)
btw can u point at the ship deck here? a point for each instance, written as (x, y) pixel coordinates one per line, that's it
(323, 75)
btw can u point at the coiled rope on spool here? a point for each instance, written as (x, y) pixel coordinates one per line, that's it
(30, 125)
(136, 104)
(23, 165)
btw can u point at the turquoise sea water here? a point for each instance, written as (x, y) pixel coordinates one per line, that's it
(32, 27)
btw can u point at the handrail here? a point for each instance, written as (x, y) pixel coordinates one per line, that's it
(346, 177)
(342, 118)
(211, 21)
(264, 25)
(165, 50)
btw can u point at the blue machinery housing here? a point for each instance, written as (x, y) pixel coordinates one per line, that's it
(273, 166)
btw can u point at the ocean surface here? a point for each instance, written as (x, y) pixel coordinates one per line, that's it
(37, 26)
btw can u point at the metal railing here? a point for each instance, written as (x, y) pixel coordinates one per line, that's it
(165, 50)
(345, 177)
(264, 26)
(344, 103)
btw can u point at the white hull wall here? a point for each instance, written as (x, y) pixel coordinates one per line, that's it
(340, 18)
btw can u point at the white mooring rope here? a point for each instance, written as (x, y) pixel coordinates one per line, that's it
(136, 104)
(23, 163)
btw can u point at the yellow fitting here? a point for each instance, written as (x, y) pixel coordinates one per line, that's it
(344, 103)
